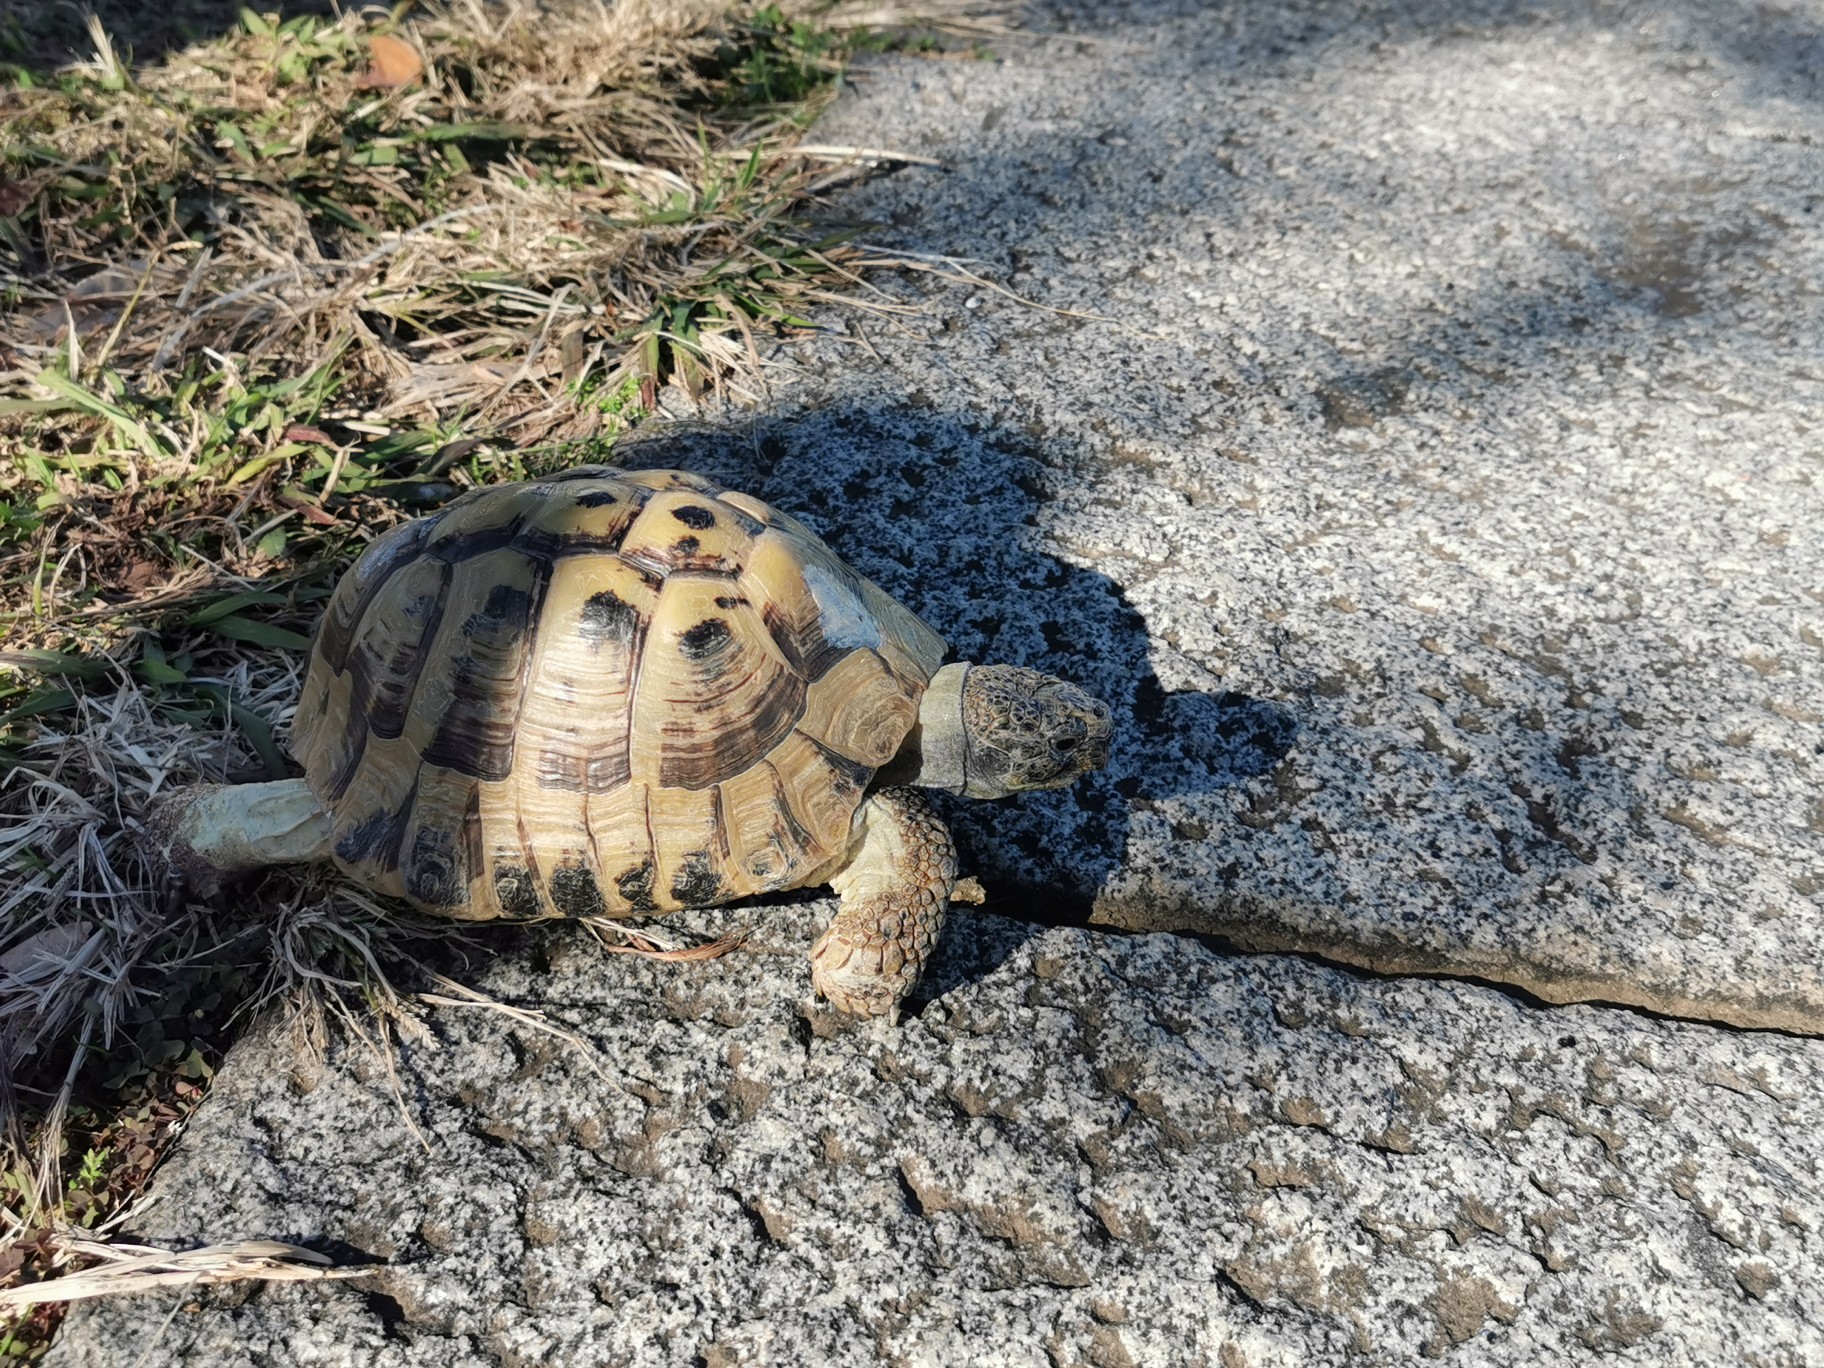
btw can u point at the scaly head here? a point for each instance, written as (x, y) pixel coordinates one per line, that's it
(1026, 730)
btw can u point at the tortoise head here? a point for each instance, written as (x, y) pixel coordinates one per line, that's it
(1026, 730)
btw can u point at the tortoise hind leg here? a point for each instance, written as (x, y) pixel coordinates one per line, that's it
(895, 891)
(201, 837)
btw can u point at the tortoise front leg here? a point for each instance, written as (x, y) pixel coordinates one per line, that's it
(895, 892)
(207, 834)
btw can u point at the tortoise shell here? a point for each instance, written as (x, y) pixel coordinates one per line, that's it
(603, 693)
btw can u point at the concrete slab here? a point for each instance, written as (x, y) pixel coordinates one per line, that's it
(1454, 453)
(1084, 1149)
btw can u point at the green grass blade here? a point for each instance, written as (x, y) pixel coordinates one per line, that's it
(55, 663)
(221, 608)
(260, 633)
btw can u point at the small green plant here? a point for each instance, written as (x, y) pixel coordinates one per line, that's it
(90, 1171)
(622, 401)
(779, 61)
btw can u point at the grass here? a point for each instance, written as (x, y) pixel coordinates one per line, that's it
(260, 299)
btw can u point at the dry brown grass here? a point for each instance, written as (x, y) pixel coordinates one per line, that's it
(253, 304)
(112, 1269)
(529, 213)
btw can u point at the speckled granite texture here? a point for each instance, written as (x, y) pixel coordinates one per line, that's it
(1442, 514)
(1471, 436)
(1084, 1149)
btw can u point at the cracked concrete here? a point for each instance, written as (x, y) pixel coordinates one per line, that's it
(1084, 1149)
(1458, 415)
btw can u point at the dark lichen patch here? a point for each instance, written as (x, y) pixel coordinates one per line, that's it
(1302, 1111)
(1360, 401)
(1270, 1173)
(1667, 258)
(1462, 1303)
(747, 1096)
(1757, 1279)
(1619, 1327)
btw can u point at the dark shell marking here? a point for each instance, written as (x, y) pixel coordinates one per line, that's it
(434, 874)
(608, 619)
(516, 891)
(575, 892)
(593, 695)
(635, 888)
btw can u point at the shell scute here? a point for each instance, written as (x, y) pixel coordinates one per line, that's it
(478, 522)
(373, 811)
(576, 716)
(359, 587)
(767, 842)
(440, 851)
(576, 522)
(690, 847)
(485, 655)
(821, 791)
(714, 695)
(681, 531)
(860, 709)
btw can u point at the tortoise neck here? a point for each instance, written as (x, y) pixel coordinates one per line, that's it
(935, 753)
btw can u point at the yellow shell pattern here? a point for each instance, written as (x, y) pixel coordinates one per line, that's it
(604, 693)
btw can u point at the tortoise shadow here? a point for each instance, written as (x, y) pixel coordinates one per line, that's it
(945, 516)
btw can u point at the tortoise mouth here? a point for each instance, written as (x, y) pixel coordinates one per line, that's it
(1086, 759)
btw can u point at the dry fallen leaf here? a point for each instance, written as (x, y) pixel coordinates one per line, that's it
(395, 63)
(969, 891)
(142, 573)
(312, 514)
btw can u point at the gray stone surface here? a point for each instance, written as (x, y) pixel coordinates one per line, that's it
(1085, 1149)
(1443, 517)
(1457, 446)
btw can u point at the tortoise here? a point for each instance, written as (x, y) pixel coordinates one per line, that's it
(613, 693)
